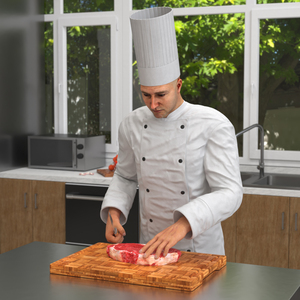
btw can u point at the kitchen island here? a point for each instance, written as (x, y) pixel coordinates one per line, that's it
(24, 274)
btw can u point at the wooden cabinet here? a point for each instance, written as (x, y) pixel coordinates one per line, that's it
(15, 214)
(229, 231)
(294, 243)
(49, 211)
(264, 231)
(31, 211)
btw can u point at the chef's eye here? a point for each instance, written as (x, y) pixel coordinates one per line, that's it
(146, 95)
(161, 95)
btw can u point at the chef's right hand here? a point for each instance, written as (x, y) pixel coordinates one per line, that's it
(109, 231)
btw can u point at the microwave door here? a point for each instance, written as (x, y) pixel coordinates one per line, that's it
(52, 153)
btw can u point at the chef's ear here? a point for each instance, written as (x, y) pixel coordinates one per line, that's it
(179, 84)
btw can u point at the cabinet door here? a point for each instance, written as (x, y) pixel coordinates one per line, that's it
(294, 258)
(229, 231)
(49, 211)
(15, 214)
(263, 231)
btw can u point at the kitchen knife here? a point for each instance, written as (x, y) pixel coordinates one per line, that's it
(112, 223)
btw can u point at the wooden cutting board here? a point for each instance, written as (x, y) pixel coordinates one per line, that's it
(93, 262)
(105, 172)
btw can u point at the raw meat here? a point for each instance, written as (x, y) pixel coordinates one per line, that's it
(129, 252)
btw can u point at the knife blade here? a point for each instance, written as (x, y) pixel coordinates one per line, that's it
(112, 223)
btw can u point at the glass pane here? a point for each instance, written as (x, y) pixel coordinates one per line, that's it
(279, 84)
(89, 80)
(48, 7)
(71, 6)
(140, 4)
(49, 81)
(211, 54)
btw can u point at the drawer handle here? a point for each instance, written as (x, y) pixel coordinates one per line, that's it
(282, 221)
(84, 197)
(296, 220)
(25, 200)
(35, 201)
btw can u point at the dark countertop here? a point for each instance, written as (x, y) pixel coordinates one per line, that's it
(24, 274)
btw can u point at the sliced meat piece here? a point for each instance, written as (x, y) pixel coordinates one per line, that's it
(129, 252)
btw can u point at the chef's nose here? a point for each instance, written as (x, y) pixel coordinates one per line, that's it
(154, 102)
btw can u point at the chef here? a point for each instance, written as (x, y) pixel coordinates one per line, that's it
(183, 157)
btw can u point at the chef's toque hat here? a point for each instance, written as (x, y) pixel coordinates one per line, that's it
(155, 46)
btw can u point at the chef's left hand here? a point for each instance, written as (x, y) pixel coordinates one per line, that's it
(167, 238)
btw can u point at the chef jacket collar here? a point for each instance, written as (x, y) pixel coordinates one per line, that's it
(174, 115)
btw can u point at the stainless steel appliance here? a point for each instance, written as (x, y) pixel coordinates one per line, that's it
(66, 152)
(83, 223)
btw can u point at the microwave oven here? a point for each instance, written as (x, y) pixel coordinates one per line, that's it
(66, 152)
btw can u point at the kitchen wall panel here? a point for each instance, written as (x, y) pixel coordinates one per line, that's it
(22, 108)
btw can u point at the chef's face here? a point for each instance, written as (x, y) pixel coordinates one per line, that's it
(163, 99)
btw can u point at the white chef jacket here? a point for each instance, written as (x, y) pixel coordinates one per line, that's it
(185, 165)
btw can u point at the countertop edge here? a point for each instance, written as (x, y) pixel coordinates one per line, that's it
(91, 177)
(98, 179)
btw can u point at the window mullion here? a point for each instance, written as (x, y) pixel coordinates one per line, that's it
(58, 7)
(60, 80)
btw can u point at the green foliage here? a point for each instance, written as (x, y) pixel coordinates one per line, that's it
(48, 7)
(87, 56)
(71, 6)
(208, 45)
(140, 4)
(279, 41)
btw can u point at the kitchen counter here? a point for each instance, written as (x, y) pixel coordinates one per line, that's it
(24, 274)
(75, 177)
(56, 175)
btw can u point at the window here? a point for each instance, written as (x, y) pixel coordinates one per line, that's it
(279, 86)
(240, 57)
(275, 82)
(49, 79)
(211, 54)
(83, 82)
(89, 80)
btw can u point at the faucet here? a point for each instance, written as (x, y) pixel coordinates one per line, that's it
(260, 167)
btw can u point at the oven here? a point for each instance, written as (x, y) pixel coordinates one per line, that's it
(83, 224)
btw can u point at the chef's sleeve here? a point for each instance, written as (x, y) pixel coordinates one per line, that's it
(123, 187)
(221, 166)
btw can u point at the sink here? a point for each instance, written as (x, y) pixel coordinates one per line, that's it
(246, 176)
(275, 181)
(281, 181)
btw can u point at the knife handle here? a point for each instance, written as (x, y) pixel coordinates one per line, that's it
(35, 201)
(115, 231)
(296, 220)
(282, 221)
